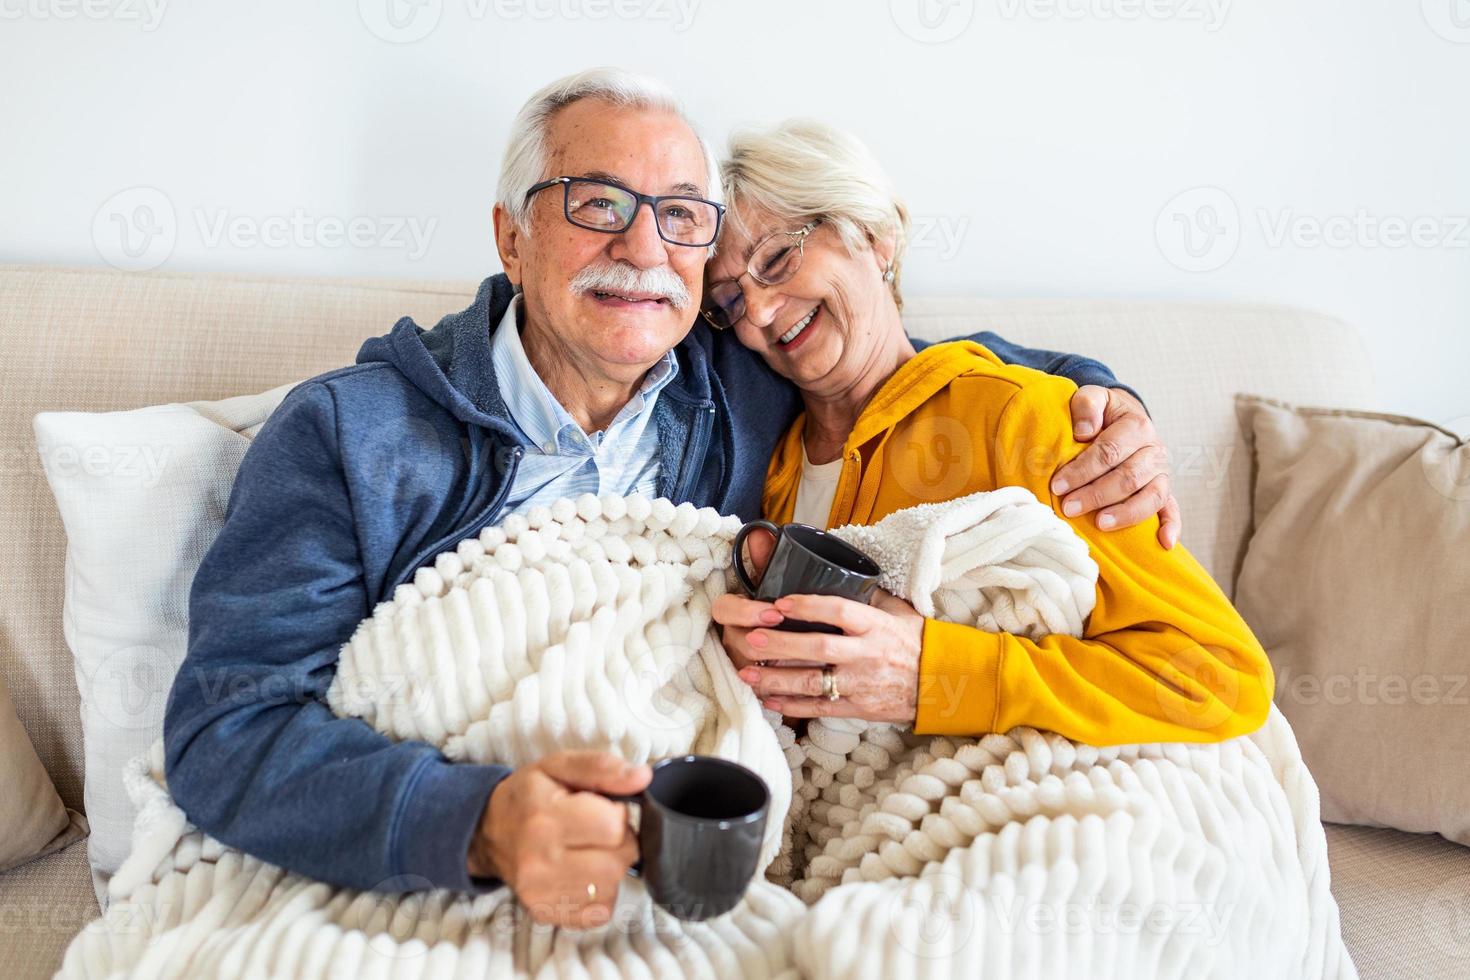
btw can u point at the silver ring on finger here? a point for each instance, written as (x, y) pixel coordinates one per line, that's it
(829, 683)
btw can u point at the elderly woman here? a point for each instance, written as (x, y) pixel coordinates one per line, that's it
(807, 275)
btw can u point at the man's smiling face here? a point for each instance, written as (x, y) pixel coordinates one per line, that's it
(650, 151)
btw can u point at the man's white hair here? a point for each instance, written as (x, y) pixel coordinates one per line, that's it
(524, 165)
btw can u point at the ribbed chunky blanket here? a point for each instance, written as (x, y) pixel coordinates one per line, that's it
(888, 855)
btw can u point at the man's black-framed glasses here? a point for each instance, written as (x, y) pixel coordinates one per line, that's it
(773, 261)
(602, 205)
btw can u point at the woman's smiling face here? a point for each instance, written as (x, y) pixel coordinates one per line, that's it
(823, 327)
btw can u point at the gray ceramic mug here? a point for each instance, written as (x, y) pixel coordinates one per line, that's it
(701, 824)
(807, 561)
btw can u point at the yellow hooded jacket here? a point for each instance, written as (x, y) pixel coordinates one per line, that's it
(1164, 657)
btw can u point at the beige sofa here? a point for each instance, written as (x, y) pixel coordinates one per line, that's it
(82, 339)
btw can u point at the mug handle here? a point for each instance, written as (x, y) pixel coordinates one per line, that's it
(739, 563)
(636, 871)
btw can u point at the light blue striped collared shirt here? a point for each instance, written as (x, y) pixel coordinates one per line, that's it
(561, 460)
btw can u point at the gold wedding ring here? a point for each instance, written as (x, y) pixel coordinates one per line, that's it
(591, 892)
(829, 683)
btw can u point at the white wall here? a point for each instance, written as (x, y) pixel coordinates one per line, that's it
(1044, 144)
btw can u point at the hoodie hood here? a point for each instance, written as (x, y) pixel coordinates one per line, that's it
(451, 363)
(914, 383)
(903, 394)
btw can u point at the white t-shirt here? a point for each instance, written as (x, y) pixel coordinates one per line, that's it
(815, 491)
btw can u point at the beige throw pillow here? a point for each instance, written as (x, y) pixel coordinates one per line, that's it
(1357, 582)
(33, 821)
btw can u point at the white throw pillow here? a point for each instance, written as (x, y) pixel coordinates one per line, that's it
(142, 495)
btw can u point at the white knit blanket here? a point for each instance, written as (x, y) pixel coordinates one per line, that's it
(587, 625)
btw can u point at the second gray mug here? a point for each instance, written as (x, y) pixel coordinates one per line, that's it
(807, 561)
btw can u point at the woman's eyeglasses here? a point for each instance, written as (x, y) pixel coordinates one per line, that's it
(772, 262)
(601, 205)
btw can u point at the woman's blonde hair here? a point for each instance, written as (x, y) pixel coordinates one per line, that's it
(800, 170)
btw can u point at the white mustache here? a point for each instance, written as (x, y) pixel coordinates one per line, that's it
(620, 277)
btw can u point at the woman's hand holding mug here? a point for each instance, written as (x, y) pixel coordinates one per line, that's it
(872, 648)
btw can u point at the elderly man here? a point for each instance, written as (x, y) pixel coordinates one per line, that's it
(577, 370)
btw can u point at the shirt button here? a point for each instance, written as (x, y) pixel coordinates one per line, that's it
(549, 448)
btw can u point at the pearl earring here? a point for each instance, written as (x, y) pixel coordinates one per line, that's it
(888, 274)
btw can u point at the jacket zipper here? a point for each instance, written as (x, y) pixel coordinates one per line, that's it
(469, 530)
(694, 456)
